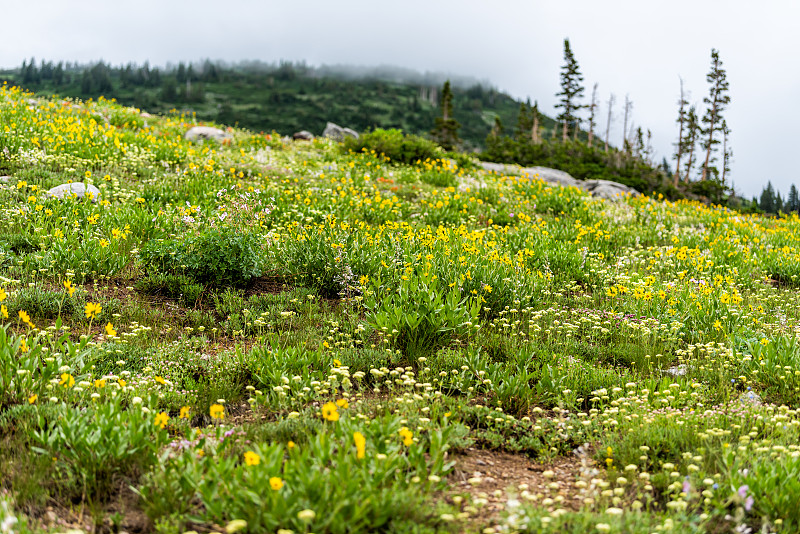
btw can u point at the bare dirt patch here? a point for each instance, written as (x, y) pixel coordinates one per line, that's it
(496, 477)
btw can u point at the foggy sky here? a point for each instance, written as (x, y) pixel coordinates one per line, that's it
(639, 48)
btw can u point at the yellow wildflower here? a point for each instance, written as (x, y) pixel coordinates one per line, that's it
(251, 458)
(407, 435)
(361, 444)
(161, 419)
(330, 412)
(217, 411)
(275, 483)
(92, 310)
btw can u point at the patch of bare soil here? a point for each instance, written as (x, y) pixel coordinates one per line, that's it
(494, 477)
(268, 283)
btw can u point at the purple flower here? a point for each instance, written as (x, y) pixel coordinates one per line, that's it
(687, 487)
(748, 504)
(743, 491)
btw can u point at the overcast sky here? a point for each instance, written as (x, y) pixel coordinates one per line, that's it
(636, 47)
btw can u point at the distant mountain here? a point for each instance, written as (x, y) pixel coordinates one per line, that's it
(285, 97)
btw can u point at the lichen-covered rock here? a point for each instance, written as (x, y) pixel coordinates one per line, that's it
(78, 189)
(207, 133)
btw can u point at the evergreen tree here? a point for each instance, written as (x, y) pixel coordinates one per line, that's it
(792, 201)
(716, 101)
(766, 202)
(446, 130)
(524, 121)
(571, 92)
(690, 141)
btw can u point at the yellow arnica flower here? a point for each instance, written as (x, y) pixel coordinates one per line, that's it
(185, 412)
(3, 311)
(342, 403)
(275, 483)
(407, 435)
(25, 318)
(2, 294)
(93, 310)
(32, 399)
(329, 412)
(361, 444)
(67, 380)
(290, 445)
(160, 380)
(110, 332)
(70, 288)
(161, 419)
(217, 411)
(100, 383)
(251, 458)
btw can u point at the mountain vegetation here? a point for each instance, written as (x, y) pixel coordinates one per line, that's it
(268, 335)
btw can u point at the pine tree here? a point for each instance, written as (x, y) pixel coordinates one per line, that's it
(571, 92)
(767, 201)
(716, 101)
(524, 122)
(680, 146)
(792, 201)
(690, 141)
(446, 130)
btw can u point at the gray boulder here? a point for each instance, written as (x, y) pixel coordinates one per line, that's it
(77, 188)
(203, 133)
(337, 133)
(607, 189)
(552, 176)
(499, 168)
(303, 136)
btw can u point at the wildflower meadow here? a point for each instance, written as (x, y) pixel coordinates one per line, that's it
(267, 335)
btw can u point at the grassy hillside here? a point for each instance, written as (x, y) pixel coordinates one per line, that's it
(286, 98)
(269, 336)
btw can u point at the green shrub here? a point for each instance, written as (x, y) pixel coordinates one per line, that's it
(395, 145)
(221, 257)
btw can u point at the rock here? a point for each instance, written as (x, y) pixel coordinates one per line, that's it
(604, 189)
(607, 189)
(552, 176)
(77, 188)
(337, 133)
(351, 133)
(202, 133)
(305, 135)
(499, 168)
